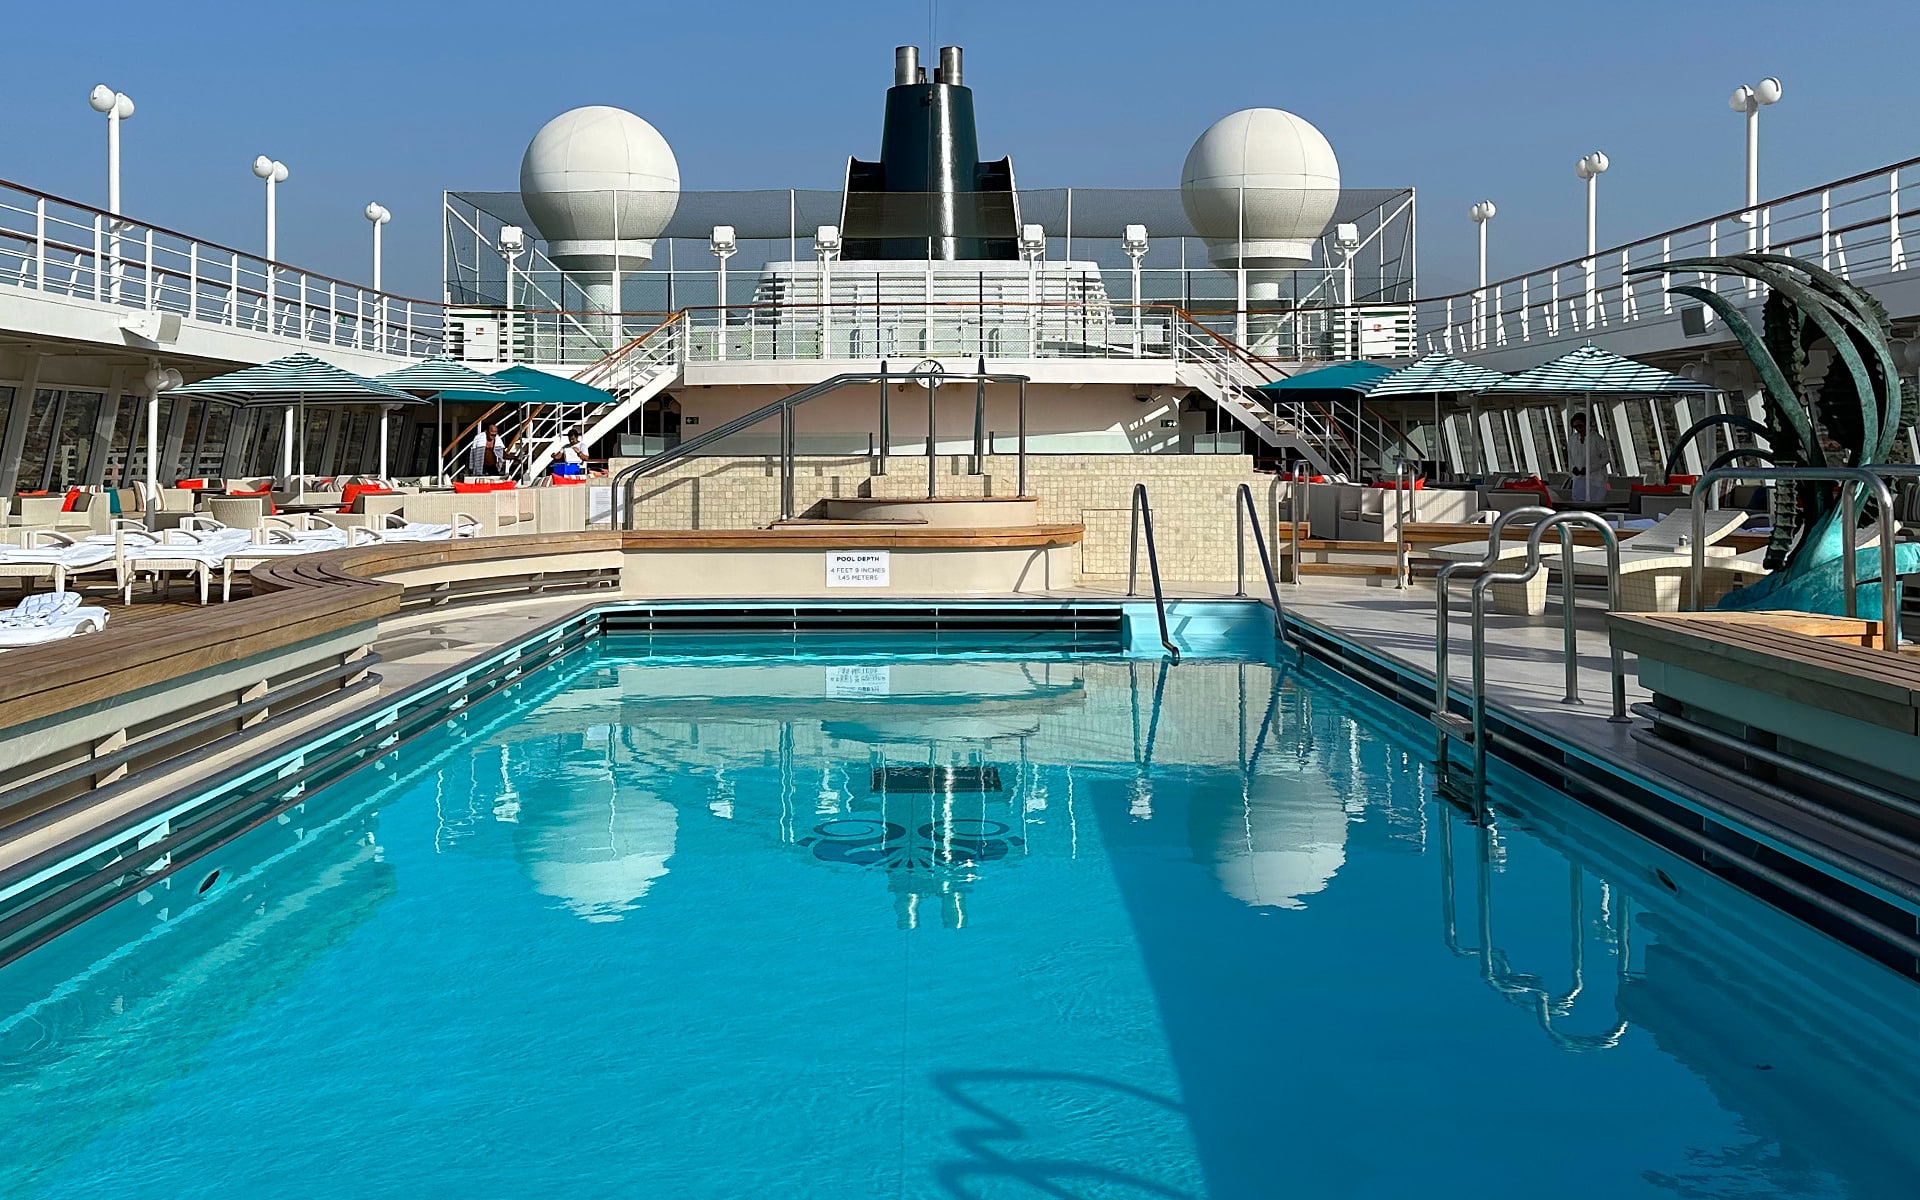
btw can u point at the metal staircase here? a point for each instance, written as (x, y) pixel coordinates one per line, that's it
(634, 373)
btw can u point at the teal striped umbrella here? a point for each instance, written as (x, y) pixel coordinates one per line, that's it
(443, 378)
(1355, 376)
(294, 382)
(1591, 371)
(1432, 374)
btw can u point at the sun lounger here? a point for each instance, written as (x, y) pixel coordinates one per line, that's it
(48, 617)
(1654, 564)
(56, 558)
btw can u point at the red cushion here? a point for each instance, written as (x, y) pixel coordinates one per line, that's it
(1655, 489)
(469, 489)
(1392, 485)
(192, 485)
(1679, 479)
(264, 493)
(356, 490)
(73, 498)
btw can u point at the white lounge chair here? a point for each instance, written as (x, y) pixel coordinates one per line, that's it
(49, 617)
(56, 558)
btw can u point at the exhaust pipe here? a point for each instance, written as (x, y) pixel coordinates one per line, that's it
(906, 65)
(948, 72)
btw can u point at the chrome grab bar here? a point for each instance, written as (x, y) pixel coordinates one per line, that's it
(1297, 502)
(1143, 516)
(1402, 508)
(1245, 513)
(1475, 727)
(1851, 480)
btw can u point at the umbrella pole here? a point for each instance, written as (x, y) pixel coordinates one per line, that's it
(383, 442)
(286, 446)
(440, 438)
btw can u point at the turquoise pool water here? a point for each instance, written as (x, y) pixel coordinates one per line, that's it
(801, 925)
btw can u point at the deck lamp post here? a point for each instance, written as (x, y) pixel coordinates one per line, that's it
(1134, 242)
(1750, 100)
(378, 215)
(273, 172)
(826, 248)
(511, 245)
(1480, 214)
(158, 379)
(724, 245)
(117, 106)
(1590, 169)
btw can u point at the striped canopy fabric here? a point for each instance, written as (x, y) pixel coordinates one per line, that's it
(1432, 374)
(296, 379)
(441, 374)
(530, 386)
(1356, 376)
(1592, 371)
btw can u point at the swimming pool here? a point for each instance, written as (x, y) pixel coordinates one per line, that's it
(833, 921)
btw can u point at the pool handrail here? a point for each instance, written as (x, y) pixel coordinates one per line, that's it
(1402, 509)
(1297, 502)
(1442, 684)
(1143, 517)
(1245, 512)
(621, 486)
(1850, 479)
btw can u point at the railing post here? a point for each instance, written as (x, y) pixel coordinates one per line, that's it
(153, 281)
(193, 281)
(1896, 248)
(886, 433)
(1020, 471)
(99, 267)
(40, 243)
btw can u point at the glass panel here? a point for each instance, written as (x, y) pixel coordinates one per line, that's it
(354, 443)
(126, 419)
(213, 441)
(6, 405)
(34, 454)
(182, 466)
(79, 417)
(269, 426)
(318, 419)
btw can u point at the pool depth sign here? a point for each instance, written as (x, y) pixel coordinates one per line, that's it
(859, 568)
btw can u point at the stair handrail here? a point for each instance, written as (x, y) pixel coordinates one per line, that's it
(622, 484)
(1244, 512)
(1297, 502)
(1143, 518)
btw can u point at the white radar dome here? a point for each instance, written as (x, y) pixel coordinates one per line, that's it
(1287, 174)
(601, 185)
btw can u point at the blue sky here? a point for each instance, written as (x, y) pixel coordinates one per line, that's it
(396, 101)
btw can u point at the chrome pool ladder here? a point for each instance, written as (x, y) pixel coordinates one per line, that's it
(1143, 519)
(1244, 514)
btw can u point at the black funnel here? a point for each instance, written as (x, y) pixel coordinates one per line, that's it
(929, 196)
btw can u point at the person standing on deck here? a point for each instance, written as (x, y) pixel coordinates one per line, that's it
(1591, 459)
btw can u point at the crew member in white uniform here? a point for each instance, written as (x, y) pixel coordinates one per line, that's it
(1591, 459)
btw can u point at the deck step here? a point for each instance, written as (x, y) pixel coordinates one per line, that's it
(1357, 570)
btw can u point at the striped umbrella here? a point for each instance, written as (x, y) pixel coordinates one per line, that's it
(440, 377)
(1432, 374)
(1591, 371)
(292, 383)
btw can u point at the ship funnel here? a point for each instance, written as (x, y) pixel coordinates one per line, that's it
(906, 65)
(949, 70)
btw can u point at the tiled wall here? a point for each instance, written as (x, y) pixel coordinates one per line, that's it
(1192, 498)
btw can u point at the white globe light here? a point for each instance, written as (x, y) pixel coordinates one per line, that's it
(378, 214)
(101, 98)
(1741, 100)
(1600, 163)
(1584, 169)
(601, 185)
(1768, 91)
(1284, 173)
(263, 167)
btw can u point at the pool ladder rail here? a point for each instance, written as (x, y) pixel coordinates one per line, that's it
(1142, 518)
(1471, 727)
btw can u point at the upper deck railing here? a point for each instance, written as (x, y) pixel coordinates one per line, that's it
(65, 248)
(1854, 227)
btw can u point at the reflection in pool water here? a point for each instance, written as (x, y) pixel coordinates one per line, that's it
(656, 931)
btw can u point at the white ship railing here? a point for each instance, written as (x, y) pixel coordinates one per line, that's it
(64, 248)
(1854, 227)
